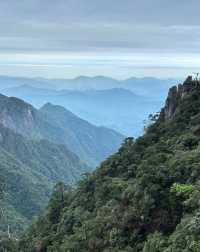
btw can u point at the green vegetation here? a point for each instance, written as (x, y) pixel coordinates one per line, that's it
(29, 170)
(182, 189)
(145, 198)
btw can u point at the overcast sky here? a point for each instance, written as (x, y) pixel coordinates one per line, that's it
(118, 38)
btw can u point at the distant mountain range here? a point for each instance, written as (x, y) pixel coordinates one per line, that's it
(116, 108)
(147, 86)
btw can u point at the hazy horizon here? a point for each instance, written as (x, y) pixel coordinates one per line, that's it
(91, 77)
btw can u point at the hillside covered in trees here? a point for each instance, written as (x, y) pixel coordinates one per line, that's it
(29, 169)
(146, 197)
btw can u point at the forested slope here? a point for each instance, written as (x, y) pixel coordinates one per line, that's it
(29, 169)
(146, 197)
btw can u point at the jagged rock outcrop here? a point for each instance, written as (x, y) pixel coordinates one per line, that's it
(177, 93)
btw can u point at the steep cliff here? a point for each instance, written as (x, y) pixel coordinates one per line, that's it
(177, 93)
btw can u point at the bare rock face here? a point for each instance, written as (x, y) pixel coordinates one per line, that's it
(177, 93)
(17, 115)
(171, 102)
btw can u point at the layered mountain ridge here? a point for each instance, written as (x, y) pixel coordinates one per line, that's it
(76, 134)
(89, 142)
(141, 86)
(116, 108)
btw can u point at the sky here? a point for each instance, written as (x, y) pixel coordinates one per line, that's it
(117, 38)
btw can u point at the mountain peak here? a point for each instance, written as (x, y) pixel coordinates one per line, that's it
(178, 93)
(47, 105)
(52, 108)
(16, 114)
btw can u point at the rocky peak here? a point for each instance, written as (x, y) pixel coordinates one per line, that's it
(17, 115)
(177, 93)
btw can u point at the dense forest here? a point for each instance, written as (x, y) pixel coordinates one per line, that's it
(146, 197)
(29, 169)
